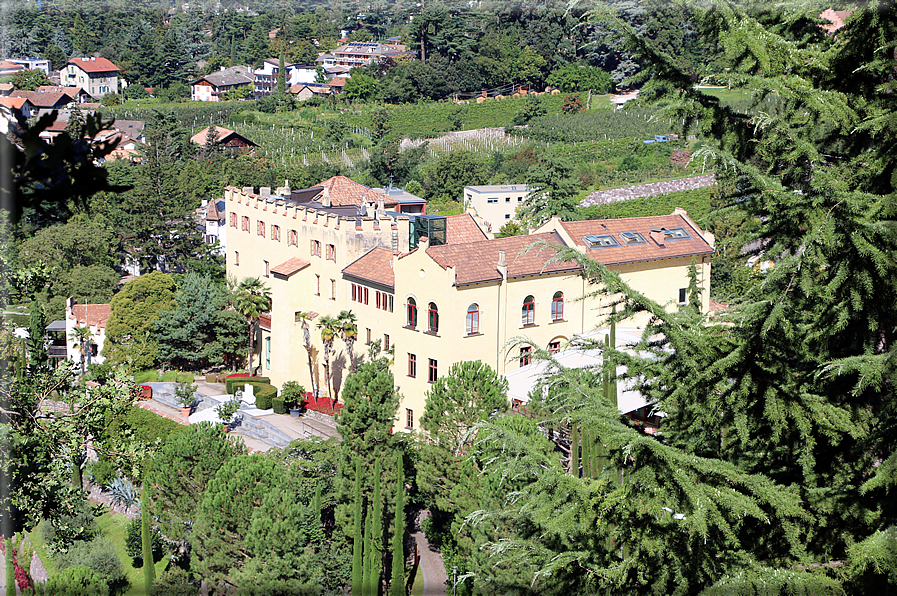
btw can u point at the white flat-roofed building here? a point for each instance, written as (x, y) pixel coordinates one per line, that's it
(496, 204)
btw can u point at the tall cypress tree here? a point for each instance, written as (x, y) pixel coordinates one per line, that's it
(366, 564)
(281, 77)
(397, 584)
(37, 351)
(357, 561)
(376, 544)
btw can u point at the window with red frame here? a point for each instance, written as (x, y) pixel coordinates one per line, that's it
(432, 373)
(528, 312)
(316, 248)
(275, 232)
(411, 309)
(367, 336)
(331, 252)
(473, 319)
(525, 355)
(385, 342)
(245, 223)
(557, 307)
(554, 347)
(260, 228)
(412, 365)
(233, 220)
(409, 418)
(293, 238)
(432, 318)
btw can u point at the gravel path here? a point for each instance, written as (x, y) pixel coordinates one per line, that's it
(431, 566)
(614, 195)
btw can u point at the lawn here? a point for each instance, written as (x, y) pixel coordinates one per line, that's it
(114, 527)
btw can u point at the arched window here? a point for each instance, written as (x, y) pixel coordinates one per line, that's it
(473, 319)
(528, 313)
(557, 307)
(411, 307)
(433, 318)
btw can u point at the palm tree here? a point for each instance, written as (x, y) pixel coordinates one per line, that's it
(82, 336)
(328, 326)
(348, 332)
(303, 318)
(251, 298)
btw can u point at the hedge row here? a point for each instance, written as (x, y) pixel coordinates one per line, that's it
(232, 384)
(264, 396)
(279, 408)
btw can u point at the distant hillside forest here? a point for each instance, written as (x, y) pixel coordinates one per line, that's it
(496, 43)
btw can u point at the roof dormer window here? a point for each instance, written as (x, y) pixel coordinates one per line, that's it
(632, 238)
(675, 233)
(602, 241)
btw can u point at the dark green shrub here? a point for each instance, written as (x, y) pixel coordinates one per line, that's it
(279, 408)
(292, 393)
(75, 581)
(146, 425)
(263, 395)
(99, 555)
(80, 525)
(103, 471)
(175, 582)
(134, 544)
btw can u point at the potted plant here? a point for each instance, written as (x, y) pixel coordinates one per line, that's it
(292, 394)
(226, 412)
(184, 393)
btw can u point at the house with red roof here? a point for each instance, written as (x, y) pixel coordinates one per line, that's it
(96, 75)
(92, 316)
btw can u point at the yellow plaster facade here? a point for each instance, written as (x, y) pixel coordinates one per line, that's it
(491, 277)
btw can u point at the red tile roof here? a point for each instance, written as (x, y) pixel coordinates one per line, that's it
(92, 314)
(224, 134)
(477, 262)
(290, 266)
(460, 229)
(94, 64)
(44, 100)
(13, 102)
(344, 192)
(656, 246)
(374, 266)
(71, 91)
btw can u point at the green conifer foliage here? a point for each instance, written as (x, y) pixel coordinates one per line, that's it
(357, 561)
(397, 584)
(376, 543)
(366, 563)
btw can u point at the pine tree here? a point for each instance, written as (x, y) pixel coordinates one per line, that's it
(357, 561)
(798, 378)
(397, 584)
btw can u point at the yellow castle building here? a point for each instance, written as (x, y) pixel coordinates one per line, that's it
(436, 290)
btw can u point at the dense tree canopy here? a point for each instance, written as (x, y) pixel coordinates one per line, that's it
(775, 463)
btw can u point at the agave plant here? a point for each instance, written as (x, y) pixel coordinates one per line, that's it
(124, 493)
